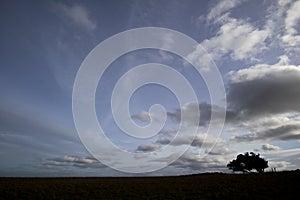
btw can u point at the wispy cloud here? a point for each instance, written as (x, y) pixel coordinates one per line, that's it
(220, 8)
(75, 161)
(76, 14)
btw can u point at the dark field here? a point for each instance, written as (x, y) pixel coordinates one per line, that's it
(280, 185)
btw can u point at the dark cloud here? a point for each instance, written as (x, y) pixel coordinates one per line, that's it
(164, 140)
(205, 109)
(285, 132)
(201, 139)
(264, 89)
(179, 141)
(265, 100)
(148, 148)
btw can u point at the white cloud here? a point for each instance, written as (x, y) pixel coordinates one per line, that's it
(220, 151)
(291, 40)
(292, 18)
(264, 71)
(222, 7)
(146, 117)
(241, 40)
(292, 37)
(237, 39)
(77, 14)
(284, 2)
(167, 43)
(269, 147)
(283, 60)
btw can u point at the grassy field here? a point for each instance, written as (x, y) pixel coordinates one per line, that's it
(280, 185)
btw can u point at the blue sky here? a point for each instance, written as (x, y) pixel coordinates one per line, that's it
(254, 44)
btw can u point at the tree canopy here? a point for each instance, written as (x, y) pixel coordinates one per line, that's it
(247, 162)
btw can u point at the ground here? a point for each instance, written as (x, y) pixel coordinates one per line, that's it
(279, 185)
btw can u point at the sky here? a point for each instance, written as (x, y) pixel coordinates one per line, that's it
(251, 46)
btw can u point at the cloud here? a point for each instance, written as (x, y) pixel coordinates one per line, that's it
(283, 159)
(244, 138)
(287, 153)
(264, 101)
(168, 43)
(241, 40)
(148, 148)
(236, 38)
(269, 147)
(77, 14)
(145, 117)
(197, 162)
(199, 140)
(220, 8)
(75, 161)
(220, 151)
(284, 132)
(284, 2)
(203, 139)
(265, 89)
(191, 116)
(283, 25)
(292, 19)
(28, 129)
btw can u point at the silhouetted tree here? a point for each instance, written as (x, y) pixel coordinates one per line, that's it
(246, 162)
